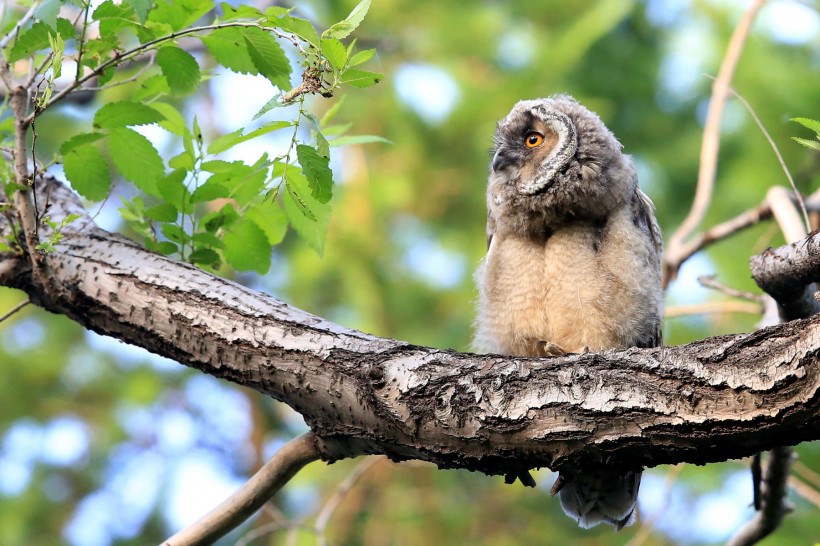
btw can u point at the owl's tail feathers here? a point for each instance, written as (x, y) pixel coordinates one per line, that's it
(600, 496)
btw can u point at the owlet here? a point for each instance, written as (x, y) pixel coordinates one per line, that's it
(572, 264)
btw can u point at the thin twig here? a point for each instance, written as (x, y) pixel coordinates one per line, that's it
(712, 308)
(711, 138)
(23, 20)
(273, 475)
(341, 492)
(807, 473)
(773, 500)
(728, 228)
(798, 197)
(805, 490)
(14, 310)
(709, 281)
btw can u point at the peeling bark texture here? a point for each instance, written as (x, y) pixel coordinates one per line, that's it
(788, 274)
(719, 398)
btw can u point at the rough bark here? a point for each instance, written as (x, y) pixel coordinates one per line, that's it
(719, 398)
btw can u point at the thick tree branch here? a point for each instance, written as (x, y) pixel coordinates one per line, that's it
(720, 398)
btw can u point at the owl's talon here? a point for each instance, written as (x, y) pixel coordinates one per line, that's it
(545, 348)
(559, 484)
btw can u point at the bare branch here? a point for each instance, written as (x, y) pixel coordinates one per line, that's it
(711, 139)
(773, 505)
(712, 308)
(20, 24)
(289, 460)
(14, 310)
(709, 281)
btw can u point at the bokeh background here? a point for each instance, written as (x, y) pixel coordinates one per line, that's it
(102, 443)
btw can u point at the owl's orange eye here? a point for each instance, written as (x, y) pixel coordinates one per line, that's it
(534, 139)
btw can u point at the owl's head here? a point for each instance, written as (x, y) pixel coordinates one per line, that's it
(555, 158)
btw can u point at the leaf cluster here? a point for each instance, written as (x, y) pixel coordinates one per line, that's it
(208, 210)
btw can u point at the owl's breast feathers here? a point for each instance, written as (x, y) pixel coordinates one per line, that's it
(591, 284)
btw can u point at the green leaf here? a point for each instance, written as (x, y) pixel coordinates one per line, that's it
(47, 12)
(175, 233)
(226, 142)
(231, 13)
(361, 78)
(124, 113)
(247, 247)
(812, 124)
(268, 57)
(343, 28)
(334, 51)
(358, 139)
(32, 40)
(136, 158)
(302, 28)
(205, 256)
(275, 102)
(173, 121)
(183, 161)
(79, 139)
(316, 171)
(307, 216)
(163, 212)
(361, 57)
(172, 189)
(166, 248)
(142, 8)
(223, 218)
(269, 216)
(152, 87)
(180, 69)
(178, 14)
(229, 48)
(210, 190)
(331, 112)
(813, 144)
(86, 169)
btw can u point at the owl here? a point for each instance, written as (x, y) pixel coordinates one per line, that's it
(572, 264)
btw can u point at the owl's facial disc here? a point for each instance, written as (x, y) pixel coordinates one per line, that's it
(550, 141)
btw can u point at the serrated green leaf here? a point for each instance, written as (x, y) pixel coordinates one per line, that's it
(180, 69)
(32, 40)
(205, 256)
(172, 189)
(136, 158)
(162, 212)
(268, 57)
(66, 28)
(179, 14)
(78, 140)
(175, 233)
(113, 18)
(173, 122)
(361, 78)
(57, 44)
(210, 190)
(47, 12)
(317, 172)
(125, 113)
(226, 142)
(166, 248)
(269, 216)
(334, 51)
(813, 144)
(205, 239)
(86, 169)
(361, 57)
(223, 218)
(357, 139)
(808, 123)
(247, 247)
(183, 161)
(152, 87)
(275, 102)
(302, 28)
(307, 216)
(231, 13)
(142, 8)
(229, 48)
(343, 28)
(331, 112)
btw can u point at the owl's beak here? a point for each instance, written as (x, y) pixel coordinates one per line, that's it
(500, 160)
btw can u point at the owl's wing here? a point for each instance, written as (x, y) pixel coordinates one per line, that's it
(643, 211)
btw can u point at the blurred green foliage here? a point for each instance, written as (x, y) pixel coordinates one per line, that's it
(406, 231)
